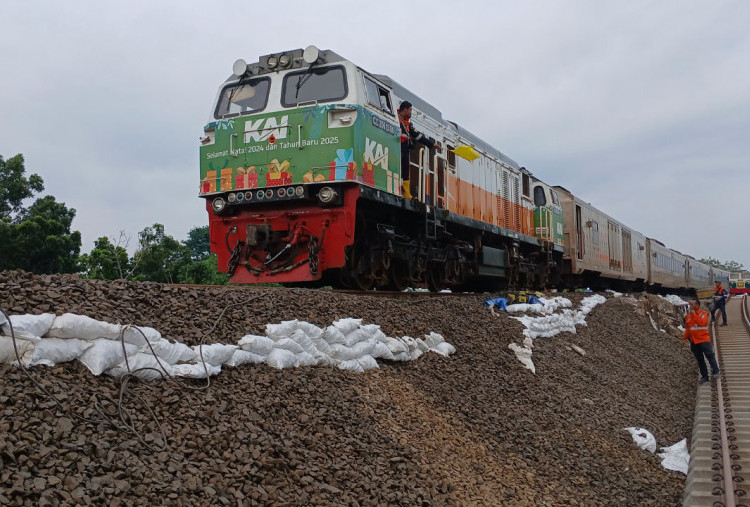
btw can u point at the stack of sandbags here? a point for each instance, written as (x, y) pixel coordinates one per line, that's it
(117, 350)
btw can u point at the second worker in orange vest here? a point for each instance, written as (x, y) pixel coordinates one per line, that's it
(696, 330)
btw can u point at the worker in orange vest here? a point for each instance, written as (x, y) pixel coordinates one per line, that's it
(696, 330)
(720, 300)
(409, 138)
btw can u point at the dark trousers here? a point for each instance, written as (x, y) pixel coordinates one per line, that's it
(700, 350)
(719, 306)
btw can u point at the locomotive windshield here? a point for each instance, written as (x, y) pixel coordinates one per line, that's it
(322, 84)
(244, 97)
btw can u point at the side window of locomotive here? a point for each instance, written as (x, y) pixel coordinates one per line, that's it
(526, 183)
(322, 84)
(451, 159)
(539, 198)
(242, 98)
(555, 198)
(378, 96)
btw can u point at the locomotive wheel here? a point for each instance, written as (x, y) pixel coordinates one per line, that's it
(364, 281)
(435, 279)
(399, 275)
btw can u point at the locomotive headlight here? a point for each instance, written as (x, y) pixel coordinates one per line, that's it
(284, 60)
(326, 195)
(231, 198)
(272, 62)
(299, 191)
(218, 204)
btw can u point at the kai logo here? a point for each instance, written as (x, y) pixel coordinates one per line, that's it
(264, 128)
(375, 154)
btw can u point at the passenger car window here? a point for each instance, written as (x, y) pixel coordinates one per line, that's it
(322, 84)
(243, 97)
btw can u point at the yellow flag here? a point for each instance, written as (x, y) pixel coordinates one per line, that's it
(466, 151)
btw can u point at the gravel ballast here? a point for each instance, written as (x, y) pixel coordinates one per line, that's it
(476, 428)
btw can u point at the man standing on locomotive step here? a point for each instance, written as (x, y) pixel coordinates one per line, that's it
(696, 329)
(720, 301)
(409, 137)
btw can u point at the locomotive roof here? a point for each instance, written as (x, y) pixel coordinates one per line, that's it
(435, 113)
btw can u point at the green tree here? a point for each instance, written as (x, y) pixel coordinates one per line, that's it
(106, 261)
(36, 239)
(15, 187)
(160, 257)
(728, 265)
(198, 243)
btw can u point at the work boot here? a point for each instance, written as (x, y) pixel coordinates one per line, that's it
(405, 186)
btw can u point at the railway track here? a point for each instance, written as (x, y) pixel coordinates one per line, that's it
(719, 471)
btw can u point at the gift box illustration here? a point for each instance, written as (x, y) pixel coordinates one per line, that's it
(226, 179)
(208, 184)
(344, 167)
(368, 173)
(278, 174)
(246, 178)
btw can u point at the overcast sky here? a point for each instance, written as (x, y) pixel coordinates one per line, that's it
(641, 108)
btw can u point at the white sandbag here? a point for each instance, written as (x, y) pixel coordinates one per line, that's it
(523, 354)
(396, 346)
(643, 438)
(379, 336)
(240, 357)
(70, 325)
(310, 330)
(432, 339)
(105, 354)
(402, 356)
(260, 345)
(322, 347)
(371, 330)
(288, 344)
(306, 359)
(381, 351)
(346, 326)
(351, 365)
(354, 337)
(215, 354)
(195, 370)
(415, 354)
(341, 352)
(368, 363)
(304, 341)
(332, 335)
(52, 351)
(169, 352)
(138, 335)
(364, 348)
(444, 349)
(676, 457)
(281, 330)
(282, 358)
(29, 327)
(142, 365)
(8, 354)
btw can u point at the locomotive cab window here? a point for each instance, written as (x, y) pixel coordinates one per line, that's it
(378, 96)
(322, 84)
(243, 97)
(539, 198)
